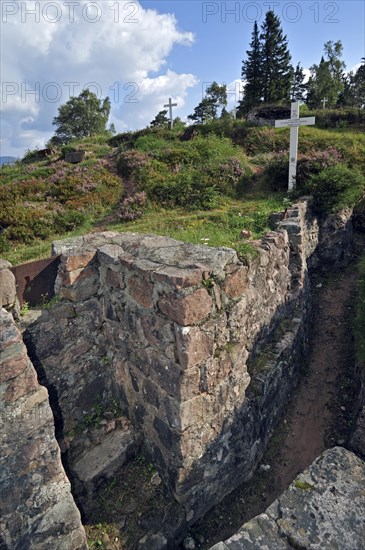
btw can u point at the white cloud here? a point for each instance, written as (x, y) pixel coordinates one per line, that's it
(121, 52)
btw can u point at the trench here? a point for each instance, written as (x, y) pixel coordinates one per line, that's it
(318, 416)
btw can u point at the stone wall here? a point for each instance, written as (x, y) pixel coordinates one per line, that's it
(202, 349)
(37, 508)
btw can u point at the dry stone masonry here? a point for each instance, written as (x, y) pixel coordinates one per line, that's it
(200, 349)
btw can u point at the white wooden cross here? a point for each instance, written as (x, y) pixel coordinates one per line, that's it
(170, 105)
(293, 123)
(324, 101)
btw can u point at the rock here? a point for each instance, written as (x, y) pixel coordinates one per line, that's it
(103, 460)
(7, 285)
(265, 467)
(187, 309)
(152, 542)
(156, 480)
(189, 543)
(38, 510)
(322, 508)
(245, 234)
(74, 157)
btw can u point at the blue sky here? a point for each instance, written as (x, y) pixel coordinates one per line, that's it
(142, 53)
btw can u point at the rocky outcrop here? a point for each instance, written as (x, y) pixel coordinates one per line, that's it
(323, 508)
(37, 507)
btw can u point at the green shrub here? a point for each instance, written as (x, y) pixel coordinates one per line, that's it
(337, 118)
(5, 245)
(131, 163)
(150, 143)
(335, 188)
(228, 175)
(265, 139)
(277, 170)
(68, 220)
(186, 190)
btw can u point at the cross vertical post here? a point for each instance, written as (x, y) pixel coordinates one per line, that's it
(293, 123)
(324, 101)
(293, 148)
(170, 105)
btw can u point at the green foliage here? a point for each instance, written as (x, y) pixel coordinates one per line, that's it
(265, 140)
(160, 120)
(42, 199)
(98, 413)
(276, 68)
(215, 99)
(187, 190)
(326, 80)
(24, 309)
(218, 227)
(336, 187)
(48, 303)
(277, 170)
(131, 164)
(81, 116)
(337, 118)
(360, 314)
(132, 207)
(304, 485)
(252, 74)
(190, 174)
(267, 71)
(298, 87)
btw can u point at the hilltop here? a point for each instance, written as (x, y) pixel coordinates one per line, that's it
(214, 184)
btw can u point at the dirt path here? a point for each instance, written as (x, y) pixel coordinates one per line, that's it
(319, 415)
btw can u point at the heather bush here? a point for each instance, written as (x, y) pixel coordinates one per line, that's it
(277, 170)
(336, 187)
(131, 208)
(265, 139)
(131, 163)
(313, 162)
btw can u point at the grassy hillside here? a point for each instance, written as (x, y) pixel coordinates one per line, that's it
(229, 177)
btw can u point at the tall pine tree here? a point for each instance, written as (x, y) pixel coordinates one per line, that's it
(277, 71)
(267, 73)
(252, 75)
(298, 87)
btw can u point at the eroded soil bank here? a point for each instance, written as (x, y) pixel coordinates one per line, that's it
(318, 416)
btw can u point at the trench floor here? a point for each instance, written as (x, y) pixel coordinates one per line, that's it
(318, 416)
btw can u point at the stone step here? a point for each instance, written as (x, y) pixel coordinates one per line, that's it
(102, 461)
